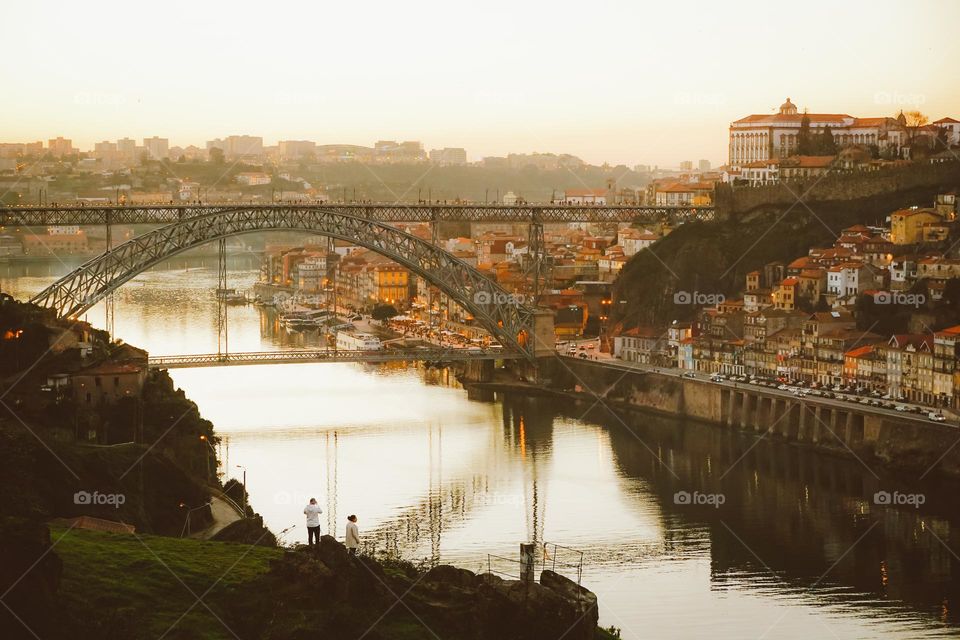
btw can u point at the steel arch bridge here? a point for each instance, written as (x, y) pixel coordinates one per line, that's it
(501, 313)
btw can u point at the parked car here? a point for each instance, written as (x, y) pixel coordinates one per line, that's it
(937, 417)
(902, 408)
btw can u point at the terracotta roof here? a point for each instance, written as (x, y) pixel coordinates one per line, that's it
(775, 118)
(859, 352)
(109, 369)
(871, 122)
(761, 164)
(809, 162)
(643, 332)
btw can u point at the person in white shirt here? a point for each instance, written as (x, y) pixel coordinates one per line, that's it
(352, 535)
(313, 511)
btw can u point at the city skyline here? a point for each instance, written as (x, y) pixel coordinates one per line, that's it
(490, 85)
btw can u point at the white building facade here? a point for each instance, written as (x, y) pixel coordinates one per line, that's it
(770, 136)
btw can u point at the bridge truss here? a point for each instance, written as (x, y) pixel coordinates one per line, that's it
(396, 212)
(499, 312)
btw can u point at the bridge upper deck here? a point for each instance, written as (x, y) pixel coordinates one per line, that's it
(383, 212)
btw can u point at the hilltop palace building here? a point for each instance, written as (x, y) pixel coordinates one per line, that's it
(774, 136)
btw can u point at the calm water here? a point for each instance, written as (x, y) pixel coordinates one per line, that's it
(797, 550)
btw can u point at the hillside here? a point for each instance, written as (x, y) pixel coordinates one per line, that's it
(115, 586)
(714, 257)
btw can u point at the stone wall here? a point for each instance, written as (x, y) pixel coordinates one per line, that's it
(906, 184)
(906, 444)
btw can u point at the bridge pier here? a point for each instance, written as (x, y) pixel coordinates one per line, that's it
(478, 371)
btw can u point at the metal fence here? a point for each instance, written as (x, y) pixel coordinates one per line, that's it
(505, 567)
(568, 559)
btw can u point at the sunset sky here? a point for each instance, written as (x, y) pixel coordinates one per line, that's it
(631, 82)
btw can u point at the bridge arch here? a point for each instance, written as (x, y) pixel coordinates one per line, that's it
(501, 313)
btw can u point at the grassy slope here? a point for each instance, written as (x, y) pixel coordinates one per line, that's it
(118, 586)
(130, 586)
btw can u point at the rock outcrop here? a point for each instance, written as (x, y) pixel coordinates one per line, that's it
(325, 590)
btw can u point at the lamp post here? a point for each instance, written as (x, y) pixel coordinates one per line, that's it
(203, 439)
(605, 306)
(240, 466)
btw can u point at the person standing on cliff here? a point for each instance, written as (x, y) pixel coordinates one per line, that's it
(313, 511)
(352, 535)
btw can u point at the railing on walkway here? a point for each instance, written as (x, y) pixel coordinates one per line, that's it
(319, 355)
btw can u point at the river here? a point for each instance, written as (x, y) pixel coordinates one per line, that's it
(797, 549)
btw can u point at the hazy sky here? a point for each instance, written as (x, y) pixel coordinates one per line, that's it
(632, 82)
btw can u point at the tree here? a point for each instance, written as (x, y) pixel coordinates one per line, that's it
(828, 146)
(383, 312)
(216, 155)
(914, 121)
(805, 142)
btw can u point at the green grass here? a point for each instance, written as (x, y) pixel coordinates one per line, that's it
(140, 585)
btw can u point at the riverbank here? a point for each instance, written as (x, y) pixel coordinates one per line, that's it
(98, 500)
(94, 584)
(905, 444)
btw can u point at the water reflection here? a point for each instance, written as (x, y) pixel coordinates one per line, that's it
(797, 550)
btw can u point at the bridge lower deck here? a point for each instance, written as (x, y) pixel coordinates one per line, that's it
(319, 355)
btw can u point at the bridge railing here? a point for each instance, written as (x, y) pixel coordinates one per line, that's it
(166, 213)
(332, 355)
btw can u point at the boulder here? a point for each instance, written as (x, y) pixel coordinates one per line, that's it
(451, 576)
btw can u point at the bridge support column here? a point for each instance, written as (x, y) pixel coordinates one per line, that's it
(542, 334)
(749, 410)
(535, 250)
(764, 416)
(478, 371)
(222, 346)
(108, 301)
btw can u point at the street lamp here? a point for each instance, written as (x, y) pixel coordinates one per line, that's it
(240, 466)
(203, 439)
